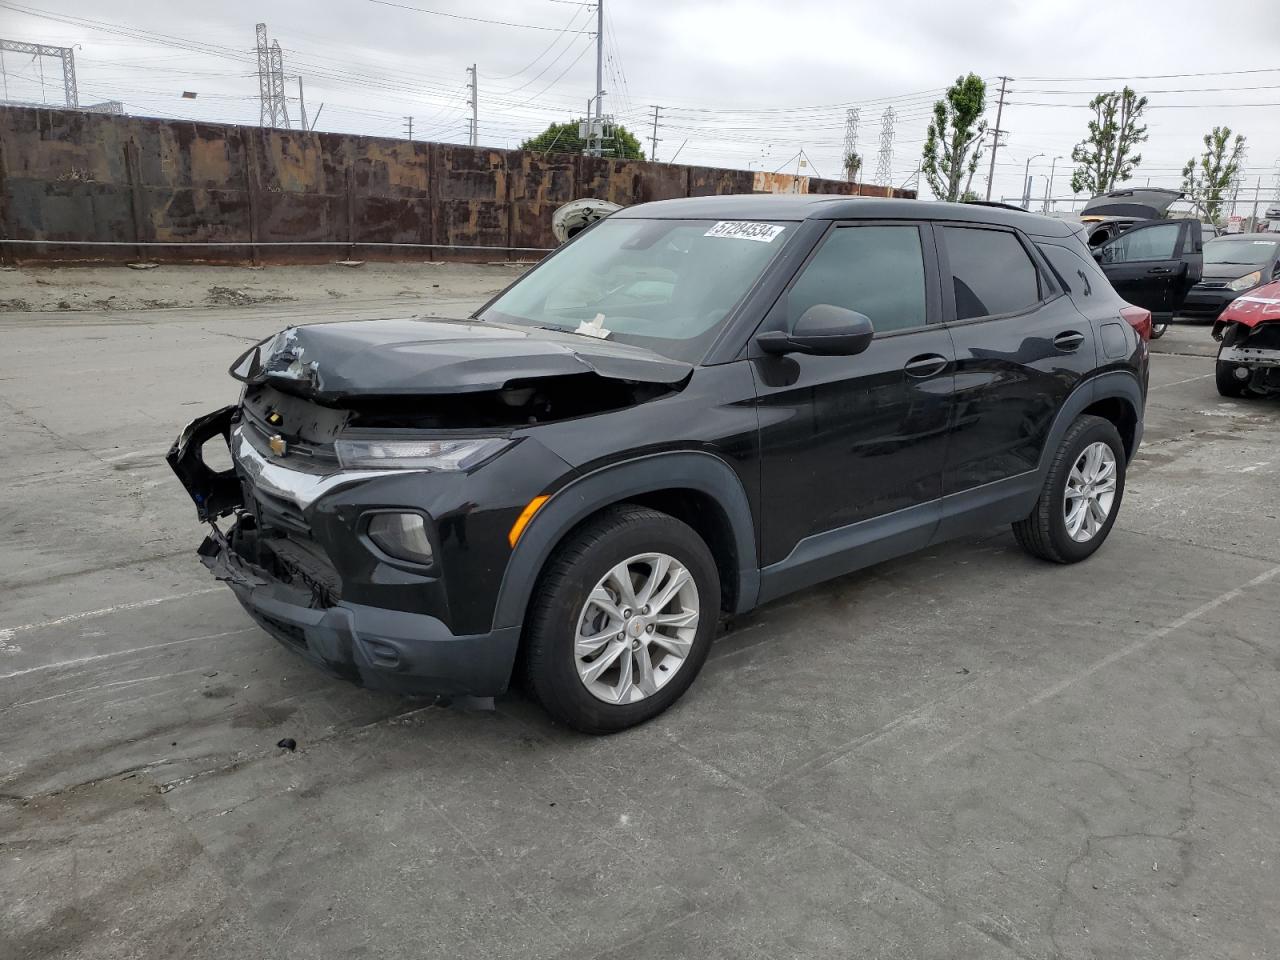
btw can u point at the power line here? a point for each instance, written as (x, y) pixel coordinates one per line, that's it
(459, 16)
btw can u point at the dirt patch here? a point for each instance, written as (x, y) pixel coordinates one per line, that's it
(14, 305)
(231, 297)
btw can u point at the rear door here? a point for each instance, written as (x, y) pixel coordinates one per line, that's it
(1021, 348)
(1154, 264)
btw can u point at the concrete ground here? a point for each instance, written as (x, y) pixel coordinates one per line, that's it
(966, 753)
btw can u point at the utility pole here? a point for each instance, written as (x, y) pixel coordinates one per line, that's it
(408, 134)
(996, 134)
(302, 106)
(597, 132)
(653, 140)
(1048, 190)
(1253, 217)
(474, 87)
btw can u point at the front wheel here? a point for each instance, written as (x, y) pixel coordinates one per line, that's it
(1081, 494)
(622, 620)
(1230, 385)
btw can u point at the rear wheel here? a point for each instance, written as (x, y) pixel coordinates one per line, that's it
(622, 620)
(1159, 328)
(1081, 494)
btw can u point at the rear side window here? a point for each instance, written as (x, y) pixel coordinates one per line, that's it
(1149, 243)
(875, 270)
(991, 272)
(1079, 275)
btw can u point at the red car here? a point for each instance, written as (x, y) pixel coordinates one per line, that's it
(1249, 330)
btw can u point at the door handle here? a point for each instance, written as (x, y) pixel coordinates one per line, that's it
(1160, 271)
(1068, 340)
(926, 365)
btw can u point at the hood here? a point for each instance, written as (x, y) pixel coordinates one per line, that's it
(1258, 306)
(1227, 271)
(408, 357)
(1142, 204)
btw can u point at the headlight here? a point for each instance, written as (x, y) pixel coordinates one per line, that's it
(417, 454)
(1247, 281)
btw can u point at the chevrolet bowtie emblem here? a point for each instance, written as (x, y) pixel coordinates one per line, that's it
(278, 446)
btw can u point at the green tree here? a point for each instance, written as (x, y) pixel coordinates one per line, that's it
(1207, 179)
(954, 141)
(563, 138)
(1105, 157)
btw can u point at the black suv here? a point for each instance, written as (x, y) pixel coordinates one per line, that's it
(692, 408)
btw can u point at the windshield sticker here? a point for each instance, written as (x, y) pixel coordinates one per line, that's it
(594, 328)
(742, 230)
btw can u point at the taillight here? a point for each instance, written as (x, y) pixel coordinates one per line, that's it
(1139, 318)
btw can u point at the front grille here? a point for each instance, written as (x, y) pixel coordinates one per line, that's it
(1213, 284)
(289, 632)
(305, 566)
(277, 513)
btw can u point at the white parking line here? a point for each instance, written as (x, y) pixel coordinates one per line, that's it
(1203, 376)
(7, 633)
(121, 653)
(1132, 648)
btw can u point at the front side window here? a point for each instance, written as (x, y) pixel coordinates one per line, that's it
(991, 272)
(1159, 242)
(875, 270)
(667, 285)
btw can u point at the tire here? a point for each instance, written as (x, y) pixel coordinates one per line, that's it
(1159, 329)
(1228, 385)
(558, 672)
(1045, 532)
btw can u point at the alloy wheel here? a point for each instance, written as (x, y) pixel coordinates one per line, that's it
(1090, 492)
(637, 628)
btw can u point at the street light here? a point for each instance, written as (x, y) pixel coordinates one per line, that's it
(1048, 191)
(1026, 186)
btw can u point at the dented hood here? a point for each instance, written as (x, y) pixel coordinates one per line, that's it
(408, 357)
(1255, 307)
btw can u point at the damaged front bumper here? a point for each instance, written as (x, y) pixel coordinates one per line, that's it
(408, 653)
(297, 559)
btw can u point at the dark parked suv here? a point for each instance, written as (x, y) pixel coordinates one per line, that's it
(692, 408)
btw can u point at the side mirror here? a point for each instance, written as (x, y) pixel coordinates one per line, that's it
(822, 330)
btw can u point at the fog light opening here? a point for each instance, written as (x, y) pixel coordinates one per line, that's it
(1240, 373)
(402, 535)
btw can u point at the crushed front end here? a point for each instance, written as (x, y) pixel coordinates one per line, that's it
(377, 471)
(1249, 331)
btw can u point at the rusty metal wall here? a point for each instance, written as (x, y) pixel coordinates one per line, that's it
(68, 175)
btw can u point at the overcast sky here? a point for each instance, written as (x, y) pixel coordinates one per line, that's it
(741, 84)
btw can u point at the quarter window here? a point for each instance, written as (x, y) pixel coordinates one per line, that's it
(1149, 243)
(991, 273)
(875, 270)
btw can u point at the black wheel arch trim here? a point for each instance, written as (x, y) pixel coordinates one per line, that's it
(1114, 384)
(616, 483)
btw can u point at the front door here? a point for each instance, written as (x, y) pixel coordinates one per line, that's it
(849, 440)
(1154, 264)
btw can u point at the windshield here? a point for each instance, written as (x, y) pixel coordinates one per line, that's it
(667, 285)
(1247, 253)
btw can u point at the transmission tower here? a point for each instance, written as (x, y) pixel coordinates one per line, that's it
(852, 162)
(1275, 186)
(884, 162)
(274, 110)
(66, 56)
